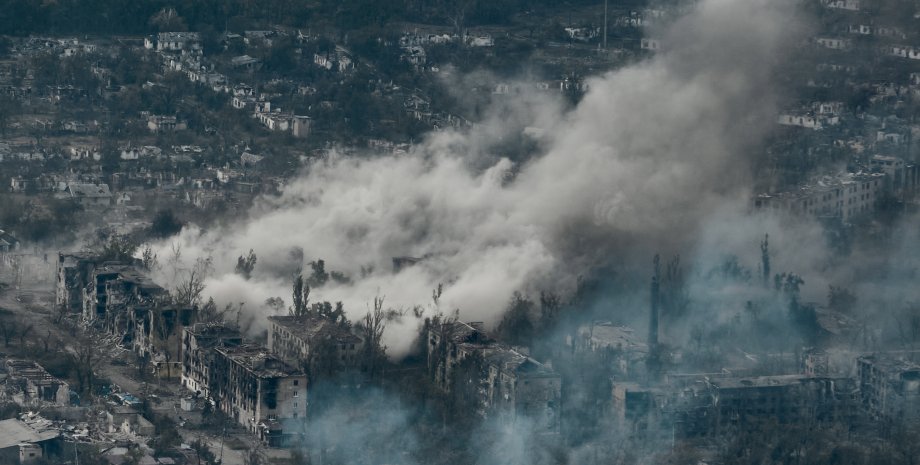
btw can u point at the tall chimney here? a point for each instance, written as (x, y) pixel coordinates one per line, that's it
(653, 314)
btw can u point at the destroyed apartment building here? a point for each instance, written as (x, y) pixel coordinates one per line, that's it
(889, 385)
(73, 272)
(198, 344)
(112, 290)
(259, 391)
(157, 335)
(295, 338)
(30, 385)
(513, 385)
(122, 301)
(712, 405)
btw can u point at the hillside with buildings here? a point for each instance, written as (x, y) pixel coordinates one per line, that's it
(459, 232)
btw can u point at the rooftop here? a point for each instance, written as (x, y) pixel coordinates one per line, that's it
(14, 432)
(759, 381)
(29, 370)
(607, 335)
(258, 360)
(89, 190)
(309, 328)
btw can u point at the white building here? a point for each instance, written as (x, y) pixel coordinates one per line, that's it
(852, 5)
(833, 43)
(650, 44)
(845, 196)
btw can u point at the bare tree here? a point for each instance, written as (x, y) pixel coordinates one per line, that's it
(189, 290)
(209, 313)
(149, 259)
(86, 356)
(23, 333)
(7, 330)
(456, 12)
(372, 327)
(245, 265)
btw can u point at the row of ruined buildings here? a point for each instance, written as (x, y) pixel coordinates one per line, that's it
(884, 388)
(818, 387)
(245, 381)
(849, 195)
(265, 388)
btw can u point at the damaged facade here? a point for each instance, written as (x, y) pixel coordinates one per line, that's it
(889, 386)
(710, 406)
(158, 333)
(259, 391)
(513, 384)
(198, 344)
(27, 441)
(120, 300)
(73, 273)
(294, 338)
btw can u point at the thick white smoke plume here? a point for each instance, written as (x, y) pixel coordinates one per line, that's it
(650, 152)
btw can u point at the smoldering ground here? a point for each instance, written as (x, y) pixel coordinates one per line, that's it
(640, 164)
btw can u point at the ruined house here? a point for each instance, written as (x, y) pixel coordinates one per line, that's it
(31, 385)
(27, 441)
(294, 338)
(8, 243)
(198, 344)
(514, 385)
(127, 420)
(259, 391)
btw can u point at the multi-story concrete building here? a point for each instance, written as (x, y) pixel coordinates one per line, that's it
(293, 338)
(156, 333)
(846, 196)
(73, 273)
(519, 386)
(198, 344)
(513, 385)
(259, 391)
(712, 405)
(116, 290)
(889, 386)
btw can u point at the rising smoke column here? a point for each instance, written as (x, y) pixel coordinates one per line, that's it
(650, 152)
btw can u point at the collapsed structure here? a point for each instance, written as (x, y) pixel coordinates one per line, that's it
(32, 386)
(120, 300)
(510, 384)
(889, 386)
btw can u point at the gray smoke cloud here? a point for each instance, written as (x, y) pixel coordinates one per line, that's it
(649, 155)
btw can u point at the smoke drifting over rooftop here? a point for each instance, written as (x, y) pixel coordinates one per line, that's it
(645, 159)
